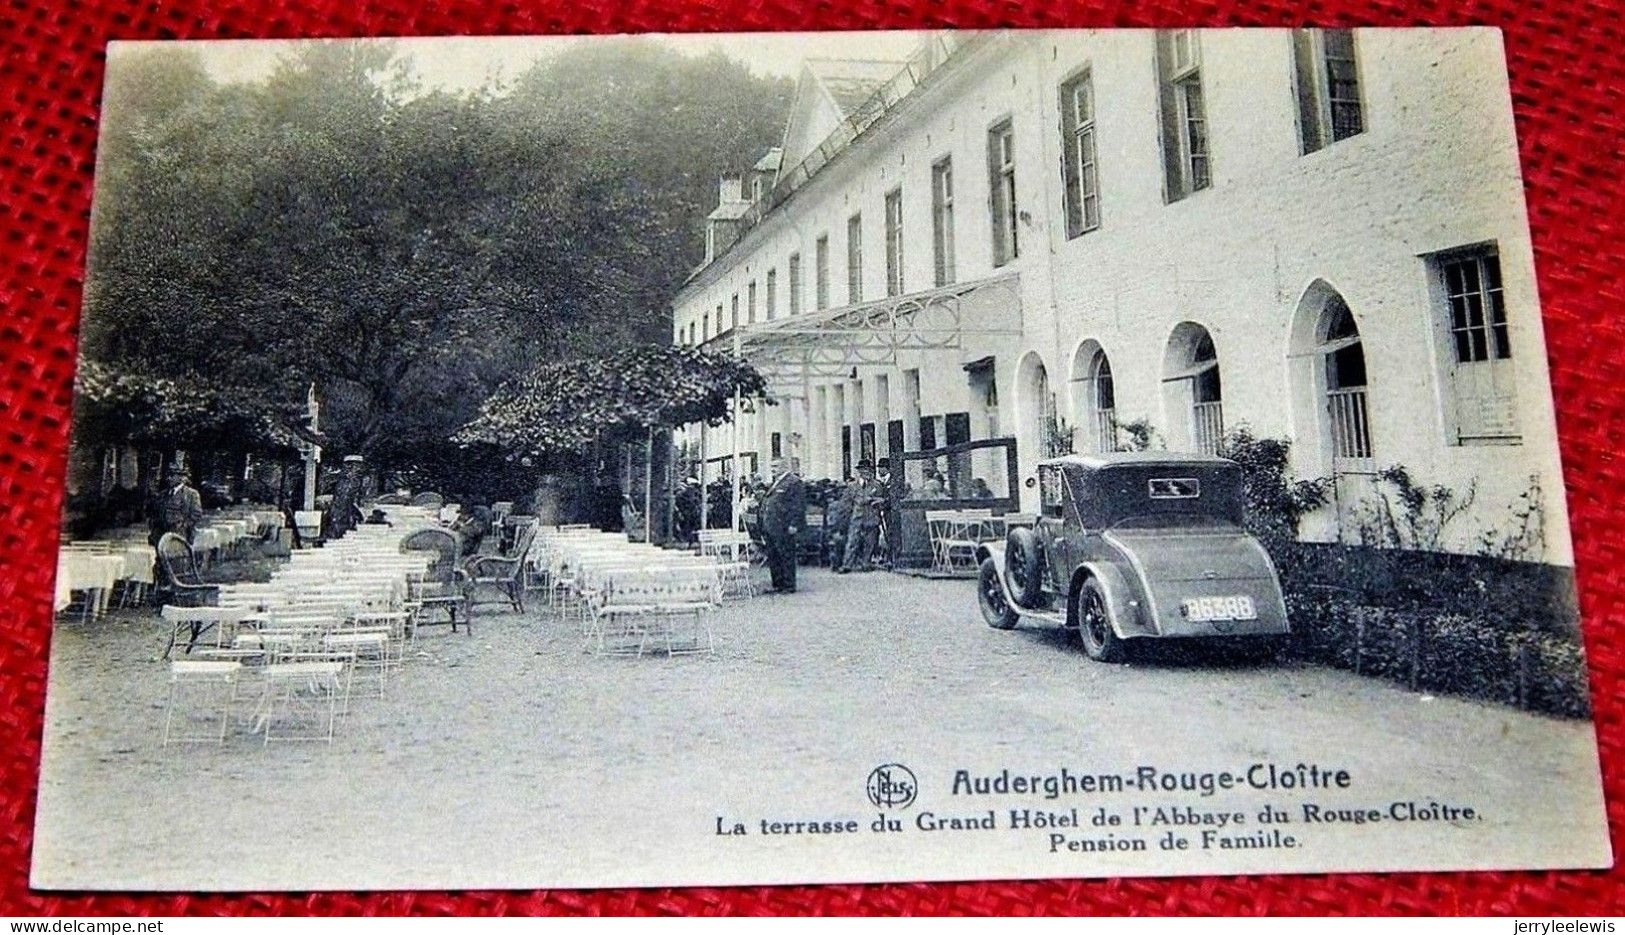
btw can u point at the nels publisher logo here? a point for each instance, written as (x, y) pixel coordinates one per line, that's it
(891, 786)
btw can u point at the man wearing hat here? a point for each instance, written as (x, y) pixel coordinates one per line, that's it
(863, 530)
(891, 526)
(345, 510)
(177, 507)
(687, 501)
(784, 510)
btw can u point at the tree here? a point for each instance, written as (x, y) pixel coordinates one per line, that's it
(567, 405)
(176, 412)
(407, 251)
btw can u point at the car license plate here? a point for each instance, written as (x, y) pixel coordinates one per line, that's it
(1205, 609)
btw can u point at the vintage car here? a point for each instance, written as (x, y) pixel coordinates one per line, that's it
(1135, 545)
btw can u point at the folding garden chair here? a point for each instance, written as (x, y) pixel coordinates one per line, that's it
(200, 691)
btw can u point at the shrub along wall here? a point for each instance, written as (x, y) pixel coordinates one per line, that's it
(1483, 628)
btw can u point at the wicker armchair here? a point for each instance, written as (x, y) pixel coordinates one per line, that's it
(503, 574)
(180, 583)
(445, 586)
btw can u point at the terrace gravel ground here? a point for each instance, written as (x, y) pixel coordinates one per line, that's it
(511, 757)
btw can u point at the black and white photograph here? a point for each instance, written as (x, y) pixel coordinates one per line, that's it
(727, 459)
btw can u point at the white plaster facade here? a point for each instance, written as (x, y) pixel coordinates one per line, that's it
(1252, 259)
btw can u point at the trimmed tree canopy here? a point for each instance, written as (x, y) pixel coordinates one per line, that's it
(563, 406)
(114, 405)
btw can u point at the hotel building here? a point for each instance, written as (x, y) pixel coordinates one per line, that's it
(1089, 240)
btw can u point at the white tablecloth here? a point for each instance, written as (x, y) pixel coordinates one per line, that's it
(139, 559)
(85, 571)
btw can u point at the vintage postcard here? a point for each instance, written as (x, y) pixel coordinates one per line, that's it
(740, 459)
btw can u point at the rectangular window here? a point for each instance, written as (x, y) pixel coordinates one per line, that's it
(750, 303)
(1479, 346)
(942, 220)
(1328, 85)
(771, 309)
(795, 283)
(735, 309)
(894, 242)
(1001, 172)
(1079, 173)
(854, 259)
(821, 272)
(1186, 164)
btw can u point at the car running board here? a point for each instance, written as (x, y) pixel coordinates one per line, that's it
(1049, 616)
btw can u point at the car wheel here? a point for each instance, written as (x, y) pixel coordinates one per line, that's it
(1021, 566)
(1100, 642)
(990, 595)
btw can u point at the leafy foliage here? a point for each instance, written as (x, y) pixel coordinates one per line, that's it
(406, 250)
(175, 411)
(567, 405)
(1275, 502)
(1138, 435)
(1407, 514)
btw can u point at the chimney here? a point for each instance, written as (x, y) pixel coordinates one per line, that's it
(722, 225)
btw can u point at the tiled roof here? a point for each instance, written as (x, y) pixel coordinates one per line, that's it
(770, 160)
(729, 211)
(851, 82)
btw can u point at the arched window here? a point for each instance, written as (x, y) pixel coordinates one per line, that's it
(1343, 360)
(1093, 400)
(1035, 414)
(1207, 397)
(1193, 397)
(1103, 403)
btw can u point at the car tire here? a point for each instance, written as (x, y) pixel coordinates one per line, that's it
(1100, 640)
(1023, 568)
(996, 611)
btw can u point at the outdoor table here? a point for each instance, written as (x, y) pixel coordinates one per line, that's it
(205, 539)
(92, 572)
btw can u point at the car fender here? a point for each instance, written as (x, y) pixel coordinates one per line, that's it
(995, 551)
(1128, 620)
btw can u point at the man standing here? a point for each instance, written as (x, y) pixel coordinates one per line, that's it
(784, 509)
(891, 524)
(837, 517)
(868, 497)
(345, 510)
(177, 507)
(688, 509)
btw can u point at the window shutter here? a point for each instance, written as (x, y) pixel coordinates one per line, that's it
(995, 199)
(1071, 189)
(1311, 133)
(1168, 105)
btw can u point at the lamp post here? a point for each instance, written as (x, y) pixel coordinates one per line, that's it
(312, 453)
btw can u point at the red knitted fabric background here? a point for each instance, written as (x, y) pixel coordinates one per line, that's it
(1568, 83)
